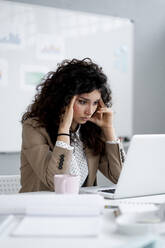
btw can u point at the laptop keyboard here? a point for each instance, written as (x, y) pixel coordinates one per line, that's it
(108, 190)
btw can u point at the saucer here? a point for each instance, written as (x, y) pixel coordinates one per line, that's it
(131, 224)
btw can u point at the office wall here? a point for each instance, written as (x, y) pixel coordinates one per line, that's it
(9, 163)
(107, 46)
(30, 47)
(149, 53)
(149, 64)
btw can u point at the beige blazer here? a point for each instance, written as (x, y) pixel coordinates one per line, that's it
(40, 160)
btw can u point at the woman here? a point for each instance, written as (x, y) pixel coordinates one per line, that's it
(69, 128)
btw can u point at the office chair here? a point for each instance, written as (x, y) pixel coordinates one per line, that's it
(9, 184)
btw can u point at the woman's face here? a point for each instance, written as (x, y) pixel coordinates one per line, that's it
(84, 106)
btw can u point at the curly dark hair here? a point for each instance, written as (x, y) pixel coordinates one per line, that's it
(54, 93)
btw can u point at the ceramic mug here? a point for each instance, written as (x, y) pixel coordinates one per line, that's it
(66, 184)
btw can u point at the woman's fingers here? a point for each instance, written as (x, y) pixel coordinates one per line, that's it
(72, 101)
(101, 103)
(104, 110)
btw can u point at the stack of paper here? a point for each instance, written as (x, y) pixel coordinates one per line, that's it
(55, 215)
(58, 226)
(52, 204)
(66, 205)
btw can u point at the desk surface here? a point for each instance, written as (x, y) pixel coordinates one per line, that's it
(109, 237)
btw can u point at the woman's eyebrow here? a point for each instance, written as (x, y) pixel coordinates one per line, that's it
(86, 99)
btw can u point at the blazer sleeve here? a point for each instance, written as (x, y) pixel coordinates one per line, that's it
(111, 163)
(44, 162)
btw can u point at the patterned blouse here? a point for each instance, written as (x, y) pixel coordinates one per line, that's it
(79, 164)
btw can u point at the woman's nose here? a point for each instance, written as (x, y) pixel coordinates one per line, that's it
(89, 110)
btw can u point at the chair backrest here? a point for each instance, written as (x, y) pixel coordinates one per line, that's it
(9, 184)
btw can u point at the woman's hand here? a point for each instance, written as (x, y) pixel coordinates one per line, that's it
(67, 117)
(103, 117)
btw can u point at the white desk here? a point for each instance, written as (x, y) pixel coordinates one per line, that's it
(108, 237)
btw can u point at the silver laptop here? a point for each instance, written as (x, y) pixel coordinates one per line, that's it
(143, 172)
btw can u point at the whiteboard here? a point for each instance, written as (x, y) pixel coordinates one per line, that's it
(34, 39)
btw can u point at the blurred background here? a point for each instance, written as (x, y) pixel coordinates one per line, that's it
(126, 38)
